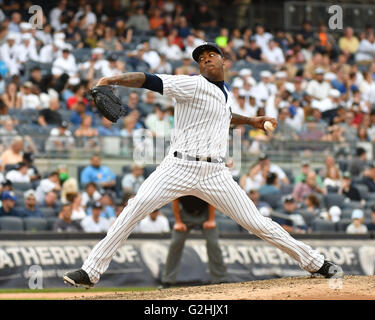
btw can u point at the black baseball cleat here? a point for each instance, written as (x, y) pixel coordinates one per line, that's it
(78, 278)
(329, 270)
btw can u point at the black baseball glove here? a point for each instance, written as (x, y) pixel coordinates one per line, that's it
(107, 102)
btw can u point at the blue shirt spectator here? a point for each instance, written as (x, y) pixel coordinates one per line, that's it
(8, 199)
(107, 212)
(107, 128)
(30, 209)
(100, 175)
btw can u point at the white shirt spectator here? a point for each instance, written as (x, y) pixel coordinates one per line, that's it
(108, 70)
(157, 43)
(54, 18)
(274, 56)
(318, 90)
(264, 90)
(62, 65)
(17, 177)
(86, 198)
(66, 140)
(262, 40)
(9, 54)
(172, 52)
(45, 186)
(162, 128)
(259, 180)
(29, 101)
(147, 225)
(351, 229)
(247, 110)
(298, 120)
(89, 225)
(79, 214)
(366, 51)
(49, 53)
(152, 58)
(27, 51)
(369, 94)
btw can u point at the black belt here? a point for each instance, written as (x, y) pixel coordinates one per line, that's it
(197, 158)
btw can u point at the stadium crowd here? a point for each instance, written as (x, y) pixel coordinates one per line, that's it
(319, 85)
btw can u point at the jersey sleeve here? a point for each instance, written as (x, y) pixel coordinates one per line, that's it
(180, 87)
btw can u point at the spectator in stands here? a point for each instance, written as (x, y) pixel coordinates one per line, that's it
(254, 196)
(80, 110)
(285, 221)
(202, 17)
(9, 97)
(60, 138)
(366, 49)
(357, 164)
(90, 195)
(9, 52)
(109, 42)
(52, 183)
(272, 54)
(357, 226)
(158, 123)
(30, 209)
(108, 129)
(33, 172)
(101, 175)
(318, 88)
(7, 133)
(8, 200)
(332, 180)
(73, 102)
(158, 40)
(18, 174)
(86, 134)
(156, 222)
(95, 222)
(65, 222)
(369, 177)
(139, 20)
(187, 68)
(78, 211)
(50, 116)
(283, 130)
(133, 180)
(371, 225)
(27, 99)
(66, 63)
(164, 66)
(51, 201)
(171, 50)
(312, 204)
(271, 186)
(348, 189)
(13, 154)
(305, 169)
(306, 187)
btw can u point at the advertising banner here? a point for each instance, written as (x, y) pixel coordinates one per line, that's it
(140, 262)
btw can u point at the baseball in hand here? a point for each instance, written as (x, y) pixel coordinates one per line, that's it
(268, 126)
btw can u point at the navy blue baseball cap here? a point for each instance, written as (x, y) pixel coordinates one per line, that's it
(206, 46)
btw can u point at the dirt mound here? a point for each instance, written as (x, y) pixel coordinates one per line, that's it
(300, 288)
(351, 287)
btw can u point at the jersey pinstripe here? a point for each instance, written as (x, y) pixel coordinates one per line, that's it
(202, 115)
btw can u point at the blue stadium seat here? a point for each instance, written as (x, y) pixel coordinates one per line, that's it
(363, 190)
(23, 186)
(343, 224)
(48, 212)
(272, 199)
(11, 224)
(51, 221)
(308, 216)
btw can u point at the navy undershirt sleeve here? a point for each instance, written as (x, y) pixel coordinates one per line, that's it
(153, 83)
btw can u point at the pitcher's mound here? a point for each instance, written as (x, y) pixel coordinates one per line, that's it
(350, 287)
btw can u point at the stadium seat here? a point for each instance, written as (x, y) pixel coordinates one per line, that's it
(308, 216)
(343, 224)
(334, 199)
(353, 205)
(11, 224)
(51, 222)
(23, 186)
(370, 198)
(346, 213)
(227, 226)
(287, 188)
(148, 170)
(35, 224)
(48, 212)
(363, 190)
(323, 225)
(272, 199)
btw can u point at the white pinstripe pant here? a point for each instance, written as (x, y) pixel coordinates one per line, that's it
(211, 182)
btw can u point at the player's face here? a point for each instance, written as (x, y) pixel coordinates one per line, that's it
(211, 65)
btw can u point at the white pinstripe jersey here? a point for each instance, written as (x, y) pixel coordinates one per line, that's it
(202, 115)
